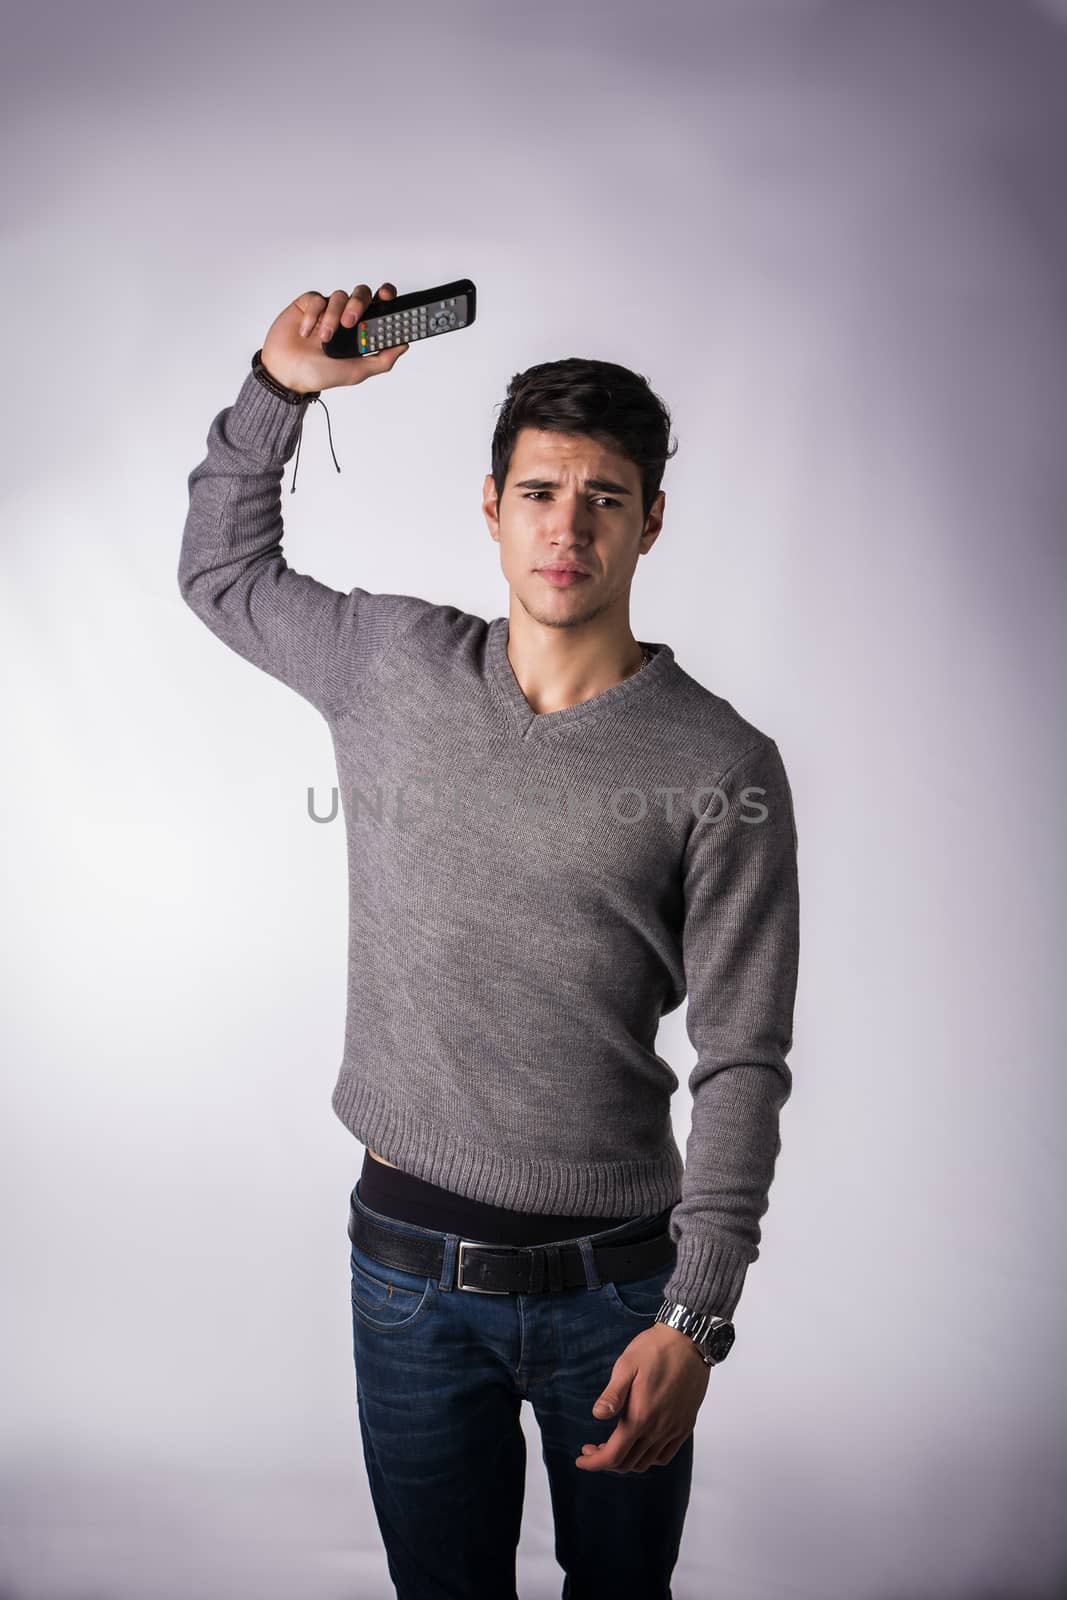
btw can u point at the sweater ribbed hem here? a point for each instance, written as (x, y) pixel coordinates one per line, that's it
(611, 1189)
(708, 1276)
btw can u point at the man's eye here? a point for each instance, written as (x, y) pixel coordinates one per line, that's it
(534, 493)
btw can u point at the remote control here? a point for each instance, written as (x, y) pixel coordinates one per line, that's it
(405, 318)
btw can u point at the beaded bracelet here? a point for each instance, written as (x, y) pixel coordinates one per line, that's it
(293, 396)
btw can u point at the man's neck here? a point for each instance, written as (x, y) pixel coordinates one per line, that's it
(553, 676)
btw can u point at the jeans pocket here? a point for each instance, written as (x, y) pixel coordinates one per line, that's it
(386, 1299)
(640, 1298)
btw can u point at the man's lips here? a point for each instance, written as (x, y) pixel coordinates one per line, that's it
(564, 577)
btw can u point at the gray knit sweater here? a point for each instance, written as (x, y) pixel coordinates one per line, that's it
(528, 893)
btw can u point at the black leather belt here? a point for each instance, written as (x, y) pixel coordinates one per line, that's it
(511, 1268)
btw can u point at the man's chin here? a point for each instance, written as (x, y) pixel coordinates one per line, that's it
(565, 611)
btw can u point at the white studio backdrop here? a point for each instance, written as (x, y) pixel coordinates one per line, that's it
(833, 237)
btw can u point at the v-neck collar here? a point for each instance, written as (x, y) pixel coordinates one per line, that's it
(533, 724)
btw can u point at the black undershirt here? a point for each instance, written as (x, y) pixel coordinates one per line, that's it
(397, 1194)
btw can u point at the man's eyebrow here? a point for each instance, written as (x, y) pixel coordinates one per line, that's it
(603, 485)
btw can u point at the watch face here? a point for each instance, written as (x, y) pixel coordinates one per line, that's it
(720, 1341)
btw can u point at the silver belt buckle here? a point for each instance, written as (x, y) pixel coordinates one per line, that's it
(471, 1244)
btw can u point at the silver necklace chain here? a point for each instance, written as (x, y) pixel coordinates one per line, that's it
(647, 654)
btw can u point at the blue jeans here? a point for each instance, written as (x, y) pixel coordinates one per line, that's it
(440, 1377)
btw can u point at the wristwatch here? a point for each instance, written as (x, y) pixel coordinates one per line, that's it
(712, 1335)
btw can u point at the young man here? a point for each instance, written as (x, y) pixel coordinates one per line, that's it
(555, 835)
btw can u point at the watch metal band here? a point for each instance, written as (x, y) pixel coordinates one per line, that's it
(696, 1324)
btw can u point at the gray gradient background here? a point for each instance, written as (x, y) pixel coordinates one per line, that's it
(834, 236)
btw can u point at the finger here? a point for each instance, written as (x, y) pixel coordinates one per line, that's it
(607, 1457)
(358, 301)
(384, 361)
(311, 305)
(642, 1460)
(356, 304)
(332, 314)
(626, 1455)
(669, 1450)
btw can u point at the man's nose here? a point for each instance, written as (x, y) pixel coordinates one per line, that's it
(571, 517)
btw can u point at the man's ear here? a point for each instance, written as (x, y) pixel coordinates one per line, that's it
(489, 506)
(653, 522)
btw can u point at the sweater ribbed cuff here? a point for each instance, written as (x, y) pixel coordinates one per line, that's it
(264, 422)
(708, 1276)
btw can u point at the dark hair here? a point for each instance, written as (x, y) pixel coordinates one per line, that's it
(609, 403)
